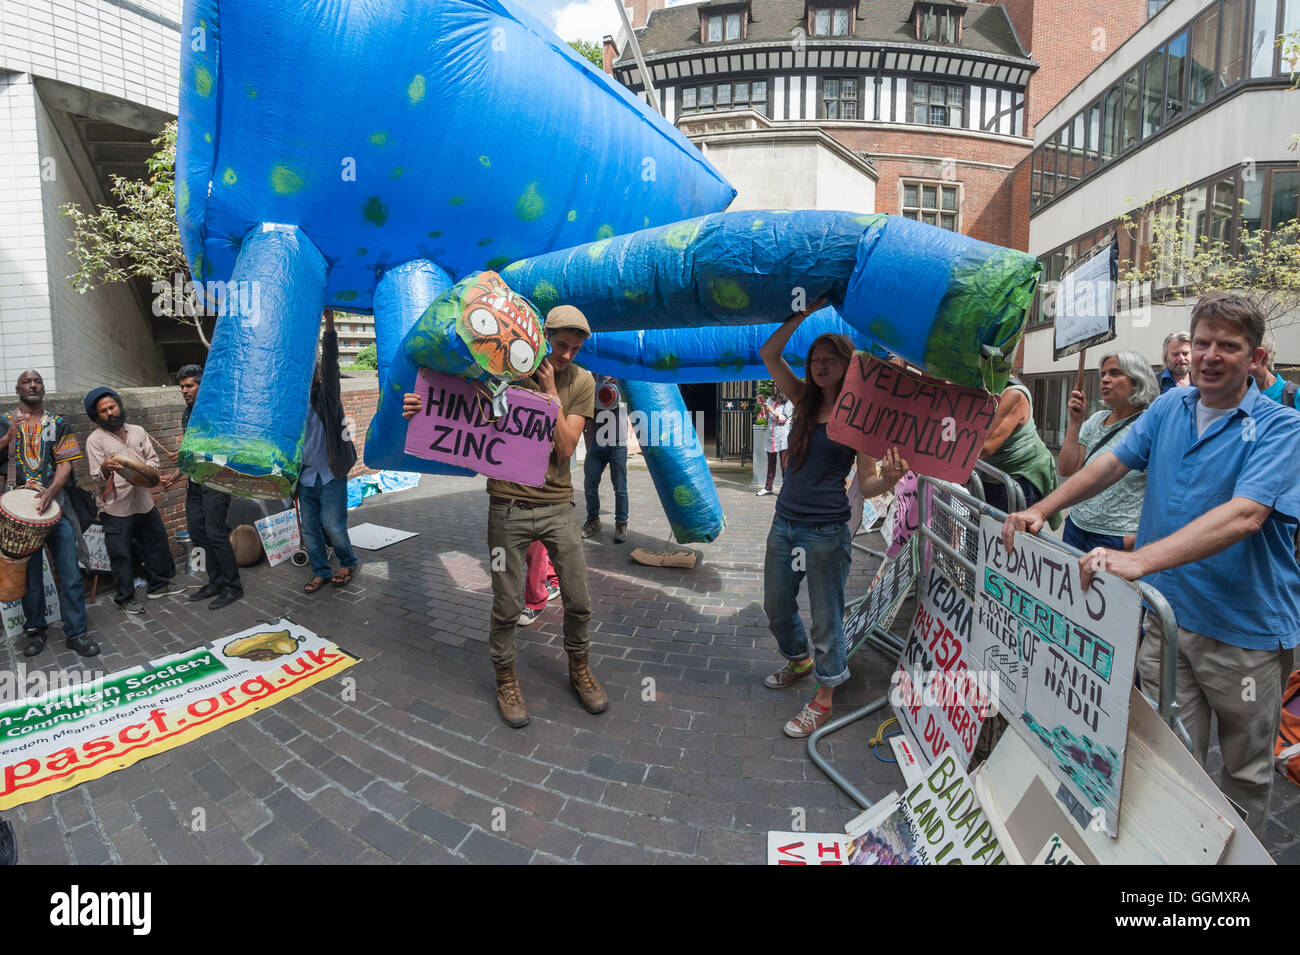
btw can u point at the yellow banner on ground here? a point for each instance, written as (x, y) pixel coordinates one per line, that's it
(54, 741)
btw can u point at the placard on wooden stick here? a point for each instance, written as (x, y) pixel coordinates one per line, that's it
(938, 427)
(1085, 301)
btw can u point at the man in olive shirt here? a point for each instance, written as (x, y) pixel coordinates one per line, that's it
(519, 514)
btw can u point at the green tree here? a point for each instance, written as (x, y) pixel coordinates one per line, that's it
(367, 359)
(136, 235)
(592, 51)
(1181, 265)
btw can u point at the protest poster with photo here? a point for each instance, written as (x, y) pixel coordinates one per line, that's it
(281, 538)
(886, 594)
(73, 734)
(941, 701)
(1084, 303)
(456, 426)
(938, 427)
(1064, 659)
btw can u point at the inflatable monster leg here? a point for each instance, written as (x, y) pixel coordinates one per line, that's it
(245, 433)
(401, 297)
(675, 458)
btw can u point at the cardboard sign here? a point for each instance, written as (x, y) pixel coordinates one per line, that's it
(280, 536)
(938, 427)
(97, 549)
(1085, 302)
(1056, 852)
(454, 427)
(1064, 658)
(885, 595)
(948, 823)
(11, 613)
(904, 518)
(940, 699)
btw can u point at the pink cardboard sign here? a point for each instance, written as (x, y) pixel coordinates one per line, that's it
(939, 427)
(453, 427)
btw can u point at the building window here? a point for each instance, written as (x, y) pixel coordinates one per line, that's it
(1205, 40)
(829, 21)
(934, 203)
(937, 23)
(840, 99)
(744, 94)
(723, 26)
(937, 104)
(1155, 6)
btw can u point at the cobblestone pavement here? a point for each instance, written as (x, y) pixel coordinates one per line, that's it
(419, 768)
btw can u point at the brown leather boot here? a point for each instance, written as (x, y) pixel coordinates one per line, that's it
(509, 700)
(584, 684)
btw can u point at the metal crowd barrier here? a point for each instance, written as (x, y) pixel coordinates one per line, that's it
(945, 531)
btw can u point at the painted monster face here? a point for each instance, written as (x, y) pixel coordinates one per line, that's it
(502, 329)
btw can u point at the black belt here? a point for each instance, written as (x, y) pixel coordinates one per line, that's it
(515, 502)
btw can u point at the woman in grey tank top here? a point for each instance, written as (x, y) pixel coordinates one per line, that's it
(810, 532)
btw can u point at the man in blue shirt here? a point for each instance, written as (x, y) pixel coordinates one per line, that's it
(1178, 361)
(1216, 538)
(1270, 385)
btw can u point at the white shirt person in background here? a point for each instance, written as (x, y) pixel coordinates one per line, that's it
(779, 410)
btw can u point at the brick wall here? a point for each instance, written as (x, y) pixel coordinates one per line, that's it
(1069, 38)
(159, 410)
(991, 210)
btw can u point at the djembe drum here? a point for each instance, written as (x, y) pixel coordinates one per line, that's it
(23, 530)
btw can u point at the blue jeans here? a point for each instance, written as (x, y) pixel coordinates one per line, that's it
(62, 542)
(593, 468)
(1076, 536)
(325, 513)
(821, 553)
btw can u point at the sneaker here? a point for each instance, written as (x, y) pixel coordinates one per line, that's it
(552, 591)
(762, 492)
(131, 606)
(809, 721)
(83, 646)
(528, 617)
(165, 590)
(620, 532)
(590, 528)
(788, 675)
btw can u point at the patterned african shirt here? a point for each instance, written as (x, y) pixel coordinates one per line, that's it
(40, 446)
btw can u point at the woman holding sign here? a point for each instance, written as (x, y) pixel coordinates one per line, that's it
(1110, 519)
(810, 532)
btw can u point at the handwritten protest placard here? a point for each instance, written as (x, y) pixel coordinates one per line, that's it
(1085, 302)
(886, 594)
(453, 427)
(939, 428)
(940, 700)
(1064, 657)
(96, 549)
(947, 821)
(280, 536)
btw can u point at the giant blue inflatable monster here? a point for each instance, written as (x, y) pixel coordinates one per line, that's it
(433, 162)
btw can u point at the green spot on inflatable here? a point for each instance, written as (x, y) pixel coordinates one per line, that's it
(680, 235)
(252, 90)
(683, 496)
(415, 89)
(530, 205)
(455, 200)
(605, 232)
(378, 139)
(229, 177)
(496, 263)
(728, 294)
(361, 251)
(545, 296)
(347, 295)
(375, 211)
(485, 162)
(435, 233)
(756, 224)
(573, 215)
(598, 248)
(483, 242)
(285, 181)
(182, 197)
(395, 172)
(730, 359)
(882, 330)
(666, 362)
(202, 81)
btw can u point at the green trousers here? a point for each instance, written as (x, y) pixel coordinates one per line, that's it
(510, 531)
